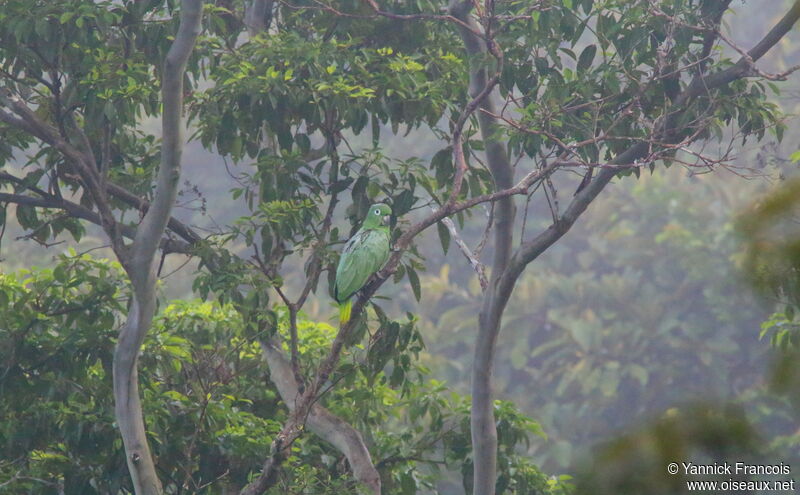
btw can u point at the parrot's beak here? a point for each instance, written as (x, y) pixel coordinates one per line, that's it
(387, 219)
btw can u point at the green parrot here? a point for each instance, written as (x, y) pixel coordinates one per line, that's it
(364, 254)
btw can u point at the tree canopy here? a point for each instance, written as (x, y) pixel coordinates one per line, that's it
(536, 106)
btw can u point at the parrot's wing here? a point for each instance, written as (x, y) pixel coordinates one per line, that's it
(364, 254)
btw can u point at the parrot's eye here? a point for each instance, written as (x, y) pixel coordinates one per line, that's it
(377, 212)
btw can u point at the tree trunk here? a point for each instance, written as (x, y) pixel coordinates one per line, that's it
(139, 259)
(127, 404)
(482, 423)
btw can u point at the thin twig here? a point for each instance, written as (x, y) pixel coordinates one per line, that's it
(479, 267)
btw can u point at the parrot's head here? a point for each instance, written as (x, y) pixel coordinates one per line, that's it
(379, 214)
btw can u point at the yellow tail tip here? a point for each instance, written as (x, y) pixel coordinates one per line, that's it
(344, 311)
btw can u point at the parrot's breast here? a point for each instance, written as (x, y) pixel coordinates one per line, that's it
(363, 255)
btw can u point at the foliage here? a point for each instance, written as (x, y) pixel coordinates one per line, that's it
(211, 410)
(57, 404)
(60, 430)
(614, 65)
(296, 80)
(285, 100)
(100, 57)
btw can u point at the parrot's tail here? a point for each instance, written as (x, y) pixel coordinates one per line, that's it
(344, 311)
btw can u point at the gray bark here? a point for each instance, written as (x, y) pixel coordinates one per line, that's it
(139, 260)
(482, 421)
(257, 15)
(323, 423)
(294, 425)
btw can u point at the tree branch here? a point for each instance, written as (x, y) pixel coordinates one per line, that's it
(700, 85)
(16, 122)
(322, 422)
(29, 122)
(84, 213)
(140, 262)
(293, 427)
(473, 260)
(176, 226)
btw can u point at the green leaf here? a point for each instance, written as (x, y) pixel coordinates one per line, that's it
(542, 65)
(586, 57)
(26, 216)
(74, 227)
(444, 236)
(413, 279)
(403, 202)
(303, 142)
(376, 131)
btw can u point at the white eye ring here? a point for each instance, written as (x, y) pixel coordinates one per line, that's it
(377, 212)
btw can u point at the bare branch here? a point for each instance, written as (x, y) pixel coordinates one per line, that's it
(315, 261)
(479, 268)
(293, 427)
(423, 17)
(176, 226)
